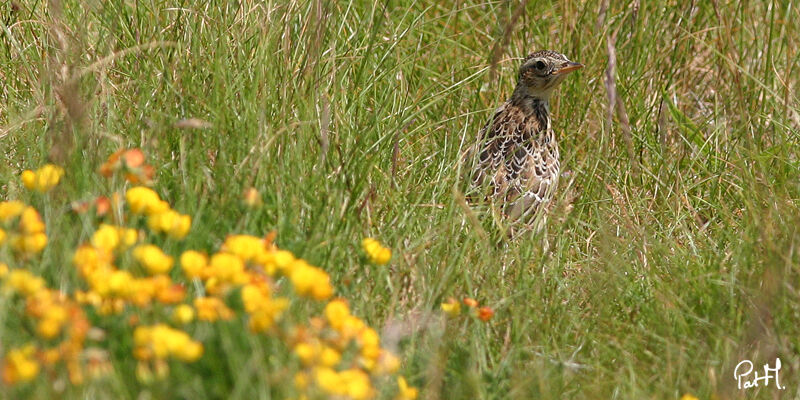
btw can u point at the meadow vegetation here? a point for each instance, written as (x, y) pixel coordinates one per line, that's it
(673, 243)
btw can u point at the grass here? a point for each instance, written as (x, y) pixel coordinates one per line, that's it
(673, 247)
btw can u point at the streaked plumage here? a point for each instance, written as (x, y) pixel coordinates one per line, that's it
(515, 162)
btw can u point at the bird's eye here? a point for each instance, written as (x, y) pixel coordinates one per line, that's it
(539, 65)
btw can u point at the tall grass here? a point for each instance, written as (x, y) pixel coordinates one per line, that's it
(673, 246)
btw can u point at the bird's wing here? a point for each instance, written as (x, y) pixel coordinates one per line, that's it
(537, 179)
(486, 159)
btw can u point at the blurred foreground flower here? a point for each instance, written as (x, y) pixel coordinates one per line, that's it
(452, 307)
(44, 178)
(19, 365)
(485, 314)
(159, 342)
(127, 284)
(376, 253)
(406, 392)
(251, 197)
(131, 163)
(23, 228)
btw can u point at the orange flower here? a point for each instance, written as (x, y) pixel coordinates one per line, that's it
(485, 314)
(251, 197)
(470, 302)
(212, 309)
(132, 162)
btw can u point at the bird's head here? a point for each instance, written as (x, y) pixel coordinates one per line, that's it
(542, 71)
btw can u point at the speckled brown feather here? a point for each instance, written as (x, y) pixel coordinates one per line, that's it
(516, 160)
(515, 163)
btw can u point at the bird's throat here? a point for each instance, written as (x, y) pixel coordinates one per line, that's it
(531, 101)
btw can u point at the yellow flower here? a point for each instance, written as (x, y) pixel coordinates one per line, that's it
(266, 316)
(190, 351)
(10, 210)
(120, 283)
(305, 352)
(109, 237)
(262, 307)
(19, 365)
(193, 263)
(329, 357)
(388, 363)
(24, 282)
(31, 222)
(51, 323)
(688, 396)
(2, 236)
(328, 380)
(356, 384)
(336, 311)
(29, 179)
(33, 243)
(227, 268)
(406, 392)
(301, 380)
(317, 354)
(183, 314)
(128, 237)
(247, 247)
(351, 327)
(211, 309)
(452, 307)
(106, 237)
(44, 179)
(282, 260)
(170, 222)
(310, 281)
(160, 341)
(152, 258)
(89, 259)
(376, 253)
(370, 345)
(3, 270)
(143, 200)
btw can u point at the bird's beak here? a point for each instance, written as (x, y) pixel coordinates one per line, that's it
(567, 68)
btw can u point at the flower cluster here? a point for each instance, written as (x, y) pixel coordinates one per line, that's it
(160, 217)
(376, 253)
(158, 342)
(127, 272)
(322, 349)
(131, 163)
(452, 308)
(22, 227)
(43, 179)
(57, 318)
(112, 288)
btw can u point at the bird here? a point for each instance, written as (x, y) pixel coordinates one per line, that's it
(515, 161)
